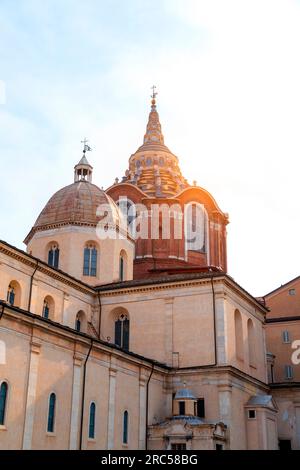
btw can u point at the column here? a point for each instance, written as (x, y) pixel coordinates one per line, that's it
(168, 398)
(35, 307)
(143, 411)
(111, 408)
(169, 331)
(221, 330)
(76, 405)
(31, 394)
(225, 408)
(65, 308)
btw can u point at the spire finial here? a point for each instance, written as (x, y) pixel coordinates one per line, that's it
(153, 132)
(86, 147)
(154, 95)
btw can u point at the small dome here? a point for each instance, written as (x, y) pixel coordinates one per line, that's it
(184, 394)
(75, 204)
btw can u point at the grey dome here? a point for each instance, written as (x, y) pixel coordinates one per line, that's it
(184, 394)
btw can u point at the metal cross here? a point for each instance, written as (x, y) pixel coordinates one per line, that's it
(85, 146)
(154, 93)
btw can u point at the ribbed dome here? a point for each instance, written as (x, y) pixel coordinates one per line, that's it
(75, 204)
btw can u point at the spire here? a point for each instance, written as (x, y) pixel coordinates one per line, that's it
(153, 167)
(83, 170)
(153, 132)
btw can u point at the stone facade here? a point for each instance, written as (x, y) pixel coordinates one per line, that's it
(283, 340)
(171, 322)
(127, 343)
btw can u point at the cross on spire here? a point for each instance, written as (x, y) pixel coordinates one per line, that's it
(86, 147)
(154, 93)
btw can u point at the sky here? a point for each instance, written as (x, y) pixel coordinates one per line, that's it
(228, 81)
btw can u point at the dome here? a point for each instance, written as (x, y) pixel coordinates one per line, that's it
(75, 204)
(184, 394)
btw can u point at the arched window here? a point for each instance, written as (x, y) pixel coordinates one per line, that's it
(11, 295)
(196, 227)
(14, 294)
(251, 343)
(53, 255)
(125, 427)
(92, 421)
(80, 322)
(90, 260)
(77, 324)
(239, 343)
(286, 336)
(122, 265)
(122, 331)
(128, 209)
(48, 307)
(51, 413)
(3, 399)
(121, 269)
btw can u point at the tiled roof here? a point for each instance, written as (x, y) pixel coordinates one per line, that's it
(75, 204)
(158, 280)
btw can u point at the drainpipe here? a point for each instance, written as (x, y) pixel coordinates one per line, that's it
(214, 314)
(83, 395)
(147, 407)
(30, 288)
(100, 314)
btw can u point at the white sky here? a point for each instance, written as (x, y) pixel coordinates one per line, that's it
(228, 76)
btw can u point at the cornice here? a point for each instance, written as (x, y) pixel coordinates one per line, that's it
(181, 284)
(283, 319)
(58, 225)
(155, 287)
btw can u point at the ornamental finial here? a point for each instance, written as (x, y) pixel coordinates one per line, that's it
(154, 95)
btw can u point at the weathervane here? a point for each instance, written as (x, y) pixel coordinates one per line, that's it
(86, 147)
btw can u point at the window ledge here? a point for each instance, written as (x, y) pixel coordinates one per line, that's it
(51, 434)
(91, 439)
(125, 446)
(3, 427)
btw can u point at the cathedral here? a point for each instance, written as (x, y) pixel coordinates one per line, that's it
(120, 327)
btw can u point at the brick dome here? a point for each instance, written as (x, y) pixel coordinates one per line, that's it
(75, 204)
